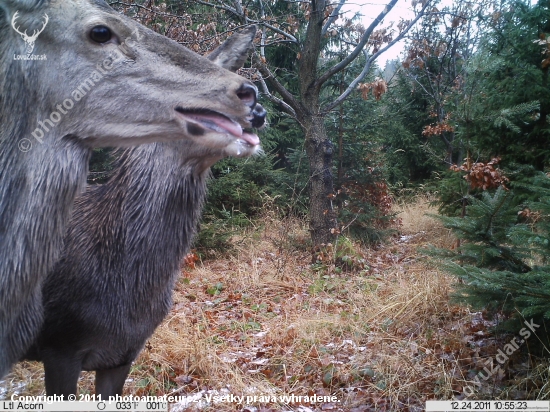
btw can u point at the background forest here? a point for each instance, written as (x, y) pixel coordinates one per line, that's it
(457, 124)
(463, 111)
(461, 114)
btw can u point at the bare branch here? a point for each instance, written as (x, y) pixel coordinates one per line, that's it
(271, 43)
(262, 39)
(365, 38)
(275, 29)
(333, 16)
(239, 8)
(351, 86)
(247, 19)
(269, 77)
(221, 7)
(414, 79)
(369, 61)
(276, 100)
(139, 6)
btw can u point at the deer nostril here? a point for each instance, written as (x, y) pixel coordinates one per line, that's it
(248, 94)
(258, 116)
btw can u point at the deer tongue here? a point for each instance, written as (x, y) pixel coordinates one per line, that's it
(223, 124)
(251, 138)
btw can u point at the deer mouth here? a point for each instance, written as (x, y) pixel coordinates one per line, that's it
(207, 119)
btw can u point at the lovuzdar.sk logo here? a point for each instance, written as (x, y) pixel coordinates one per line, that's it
(29, 40)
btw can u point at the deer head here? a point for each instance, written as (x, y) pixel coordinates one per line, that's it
(29, 39)
(119, 82)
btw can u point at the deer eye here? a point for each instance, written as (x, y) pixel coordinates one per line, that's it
(100, 34)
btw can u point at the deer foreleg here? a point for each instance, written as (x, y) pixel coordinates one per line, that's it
(109, 382)
(61, 373)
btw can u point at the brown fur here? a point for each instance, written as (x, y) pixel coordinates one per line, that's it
(123, 250)
(133, 102)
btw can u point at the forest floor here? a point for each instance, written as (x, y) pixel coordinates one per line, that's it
(367, 329)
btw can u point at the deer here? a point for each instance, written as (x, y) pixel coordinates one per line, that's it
(123, 250)
(106, 81)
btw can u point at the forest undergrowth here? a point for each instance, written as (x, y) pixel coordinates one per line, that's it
(372, 327)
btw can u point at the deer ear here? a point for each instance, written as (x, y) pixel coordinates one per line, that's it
(232, 54)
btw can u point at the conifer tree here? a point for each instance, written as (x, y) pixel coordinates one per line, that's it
(502, 261)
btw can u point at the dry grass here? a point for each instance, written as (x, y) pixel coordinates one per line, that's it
(266, 322)
(417, 222)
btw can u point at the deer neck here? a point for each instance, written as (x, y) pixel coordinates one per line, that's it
(155, 200)
(170, 187)
(37, 190)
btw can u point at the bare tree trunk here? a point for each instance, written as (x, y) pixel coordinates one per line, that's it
(319, 148)
(340, 175)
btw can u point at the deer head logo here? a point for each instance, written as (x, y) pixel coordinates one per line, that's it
(29, 39)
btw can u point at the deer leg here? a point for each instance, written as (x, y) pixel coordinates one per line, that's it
(109, 382)
(61, 374)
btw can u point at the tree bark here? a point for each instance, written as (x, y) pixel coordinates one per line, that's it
(323, 224)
